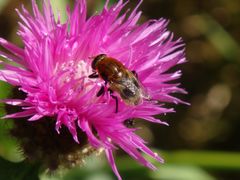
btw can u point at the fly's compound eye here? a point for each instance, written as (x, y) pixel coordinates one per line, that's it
(97, 59)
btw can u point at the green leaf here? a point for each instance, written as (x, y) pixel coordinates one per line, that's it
(3, 3)
(227, 46)
(18, 171)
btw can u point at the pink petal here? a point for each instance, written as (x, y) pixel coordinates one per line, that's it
(111, 161)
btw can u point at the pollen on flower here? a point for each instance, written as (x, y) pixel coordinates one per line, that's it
(77, 70)
(74, 68)
(64, 115)
(85, 150)
(100, 151)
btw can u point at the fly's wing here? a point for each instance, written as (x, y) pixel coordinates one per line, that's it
(130, 89)
(129, 93)
(142, 89)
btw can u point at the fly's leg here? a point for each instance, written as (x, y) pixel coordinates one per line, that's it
(135, 74)
(93, 75)
(115, 98)
(101, 91)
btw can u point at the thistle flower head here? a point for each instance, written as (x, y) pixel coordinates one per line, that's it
(54, 65)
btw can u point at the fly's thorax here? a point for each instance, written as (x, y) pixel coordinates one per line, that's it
(110, 69)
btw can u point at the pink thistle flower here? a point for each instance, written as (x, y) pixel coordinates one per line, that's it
(53, 68)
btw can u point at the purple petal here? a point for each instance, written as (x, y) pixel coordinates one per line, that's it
(111, 161)
(20, 114)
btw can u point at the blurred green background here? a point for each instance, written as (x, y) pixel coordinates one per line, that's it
(202, 141)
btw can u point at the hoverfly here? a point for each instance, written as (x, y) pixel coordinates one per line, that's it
(119, 79)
